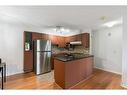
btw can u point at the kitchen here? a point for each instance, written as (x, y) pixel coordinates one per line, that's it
(80, 44)
(83, 52)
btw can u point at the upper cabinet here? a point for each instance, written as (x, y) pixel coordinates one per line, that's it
(39, 36)
(70, 39)
(53, 39)
(86, 40)
(67, 39)
(61, 41)
(78, 37)
(73, 38)
(27, 41)
(57, 40)
(45, 36)
(36, 36)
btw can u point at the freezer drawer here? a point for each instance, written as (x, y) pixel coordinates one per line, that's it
(42, 62)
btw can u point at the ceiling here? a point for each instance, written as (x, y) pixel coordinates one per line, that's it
(80, 17)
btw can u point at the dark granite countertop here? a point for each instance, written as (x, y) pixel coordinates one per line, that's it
(71, 57)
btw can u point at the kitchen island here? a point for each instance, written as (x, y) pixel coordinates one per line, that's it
(70, 69)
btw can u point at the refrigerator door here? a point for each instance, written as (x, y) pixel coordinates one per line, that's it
(43, 64)
(42, 45)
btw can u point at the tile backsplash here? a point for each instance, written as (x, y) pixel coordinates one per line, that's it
(77, 49)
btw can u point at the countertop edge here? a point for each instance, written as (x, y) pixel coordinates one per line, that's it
(73, 59)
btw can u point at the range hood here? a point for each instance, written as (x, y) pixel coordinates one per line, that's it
(76, 43)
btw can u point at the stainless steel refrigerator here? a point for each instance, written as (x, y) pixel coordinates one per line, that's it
(42, 56)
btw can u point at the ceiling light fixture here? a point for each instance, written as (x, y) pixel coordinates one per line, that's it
(61, 29)
(112, 23)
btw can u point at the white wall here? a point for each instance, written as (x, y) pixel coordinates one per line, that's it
(124, 53)
(11, 47)
(107, 49)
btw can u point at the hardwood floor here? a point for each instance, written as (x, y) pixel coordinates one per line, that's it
(99, 80)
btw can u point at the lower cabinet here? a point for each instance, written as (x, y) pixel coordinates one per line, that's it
(52, 62)
(89, 65)
(28, 61)
(67, 74)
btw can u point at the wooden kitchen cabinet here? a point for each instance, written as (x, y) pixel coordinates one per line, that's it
(54, 39)
(28, 61)
(40, 36)
(67, 74)
(86, 40)
(36, 36)
(89, 66)
(78, 37)
(28, 54)
(57, 40)
(52, 62)
(67, 39)
(83, 71)
(73, 38)
(61, 41)
(45, 37)
(70, 39)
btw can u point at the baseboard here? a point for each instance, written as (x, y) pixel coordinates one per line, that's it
(11, 74)
(108, 70)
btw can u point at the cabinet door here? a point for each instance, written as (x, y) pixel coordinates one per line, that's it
(72, 38)
(86, 40)
(67, 39)
(78, 37)
(82, 69)
(27, 41)
(56, 40)
(89, 66)
(36, 36)
(28, 61)
(53, 39)
(72, 73)
(52, 62)
(45, 37)
(61, 41)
